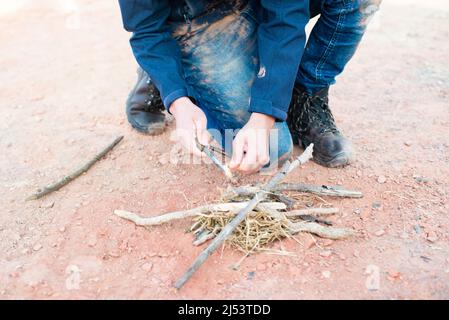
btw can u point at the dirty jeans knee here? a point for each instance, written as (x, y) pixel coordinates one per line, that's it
(220, 62)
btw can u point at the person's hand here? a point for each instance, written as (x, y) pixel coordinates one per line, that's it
(250, 148)
(191, 122)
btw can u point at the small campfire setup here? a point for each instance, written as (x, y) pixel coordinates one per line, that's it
(248, 218)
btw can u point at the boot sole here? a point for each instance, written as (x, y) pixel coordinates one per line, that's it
(340, 160)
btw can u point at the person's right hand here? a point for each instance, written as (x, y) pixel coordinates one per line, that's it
(191, 122)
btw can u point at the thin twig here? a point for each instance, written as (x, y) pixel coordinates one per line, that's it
(312, 211)
(230, 227)
(323, 190)
(289, 202)
(321, 231)
(218, 207)
(208, 151)
(206, 236)
(58, 185)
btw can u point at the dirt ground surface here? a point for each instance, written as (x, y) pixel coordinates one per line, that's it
(66, 70)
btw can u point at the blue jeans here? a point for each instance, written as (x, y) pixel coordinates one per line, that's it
(220, 61)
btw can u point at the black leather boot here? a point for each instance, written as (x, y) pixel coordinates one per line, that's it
(144, 107)
(310, 121)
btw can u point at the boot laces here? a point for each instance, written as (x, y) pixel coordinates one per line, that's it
(320, 115)
(153, 103)
(315, 113)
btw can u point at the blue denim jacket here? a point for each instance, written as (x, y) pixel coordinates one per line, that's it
(281, 39)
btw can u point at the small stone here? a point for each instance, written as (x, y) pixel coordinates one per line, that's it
(394, 275)
(48, 205)
(379, 233)
(147, 266)
(359, 173)
(376, 205)
(407, 143)
(326, 274)
(92, 241)
(417, 228)
(342, 256)
(357, 211)
(37, 98)
(432, 237)
(420, 179)
(356, 253)
(163, 160)
(112, 249)
(62, 229)
(251, 275)
(326, 253)
(49, 293)
(381, 179)
(37, 247)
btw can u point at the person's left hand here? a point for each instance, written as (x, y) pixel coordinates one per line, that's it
(250, 148)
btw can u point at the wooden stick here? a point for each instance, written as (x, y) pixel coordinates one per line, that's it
(322, 190)
(317, 220)
(289, 202)
(321, 231)
(312, 211)
(208, 151)
(230, 227)
(58, 185)
(209, 208)
(206, 236)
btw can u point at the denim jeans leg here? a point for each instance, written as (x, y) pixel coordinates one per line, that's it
(220, 62)
(333, 41)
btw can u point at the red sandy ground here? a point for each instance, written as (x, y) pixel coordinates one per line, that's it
(62, 99)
